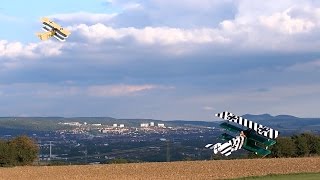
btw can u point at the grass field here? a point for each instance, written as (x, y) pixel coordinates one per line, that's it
(214, 169)
(304, 176)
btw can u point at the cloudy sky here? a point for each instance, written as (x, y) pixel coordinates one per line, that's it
(161, 59)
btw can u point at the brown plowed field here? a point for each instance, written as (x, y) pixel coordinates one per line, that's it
(173, 170)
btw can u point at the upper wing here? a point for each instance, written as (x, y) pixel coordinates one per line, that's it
(260, 129)
(228, 147)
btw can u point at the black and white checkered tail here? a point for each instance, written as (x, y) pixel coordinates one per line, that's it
(228, 147)
(260, 129)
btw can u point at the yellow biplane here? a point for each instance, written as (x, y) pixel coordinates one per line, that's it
(52, 30)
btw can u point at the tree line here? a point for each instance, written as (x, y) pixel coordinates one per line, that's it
(301, 145)
(19, 151)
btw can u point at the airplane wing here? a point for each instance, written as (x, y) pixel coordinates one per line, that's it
(260, 129)
(228, 147)
(57, 36)
(60, 30)
(252, 147)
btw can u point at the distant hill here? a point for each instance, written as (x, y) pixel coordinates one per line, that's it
(52, 123)
(286, 124)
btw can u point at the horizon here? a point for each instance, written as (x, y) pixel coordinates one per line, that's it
(215, 119)
(161, 59)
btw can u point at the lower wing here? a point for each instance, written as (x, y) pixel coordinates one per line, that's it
(57, 36)
(228, 147)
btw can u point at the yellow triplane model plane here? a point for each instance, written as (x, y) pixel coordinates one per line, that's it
(52, 30)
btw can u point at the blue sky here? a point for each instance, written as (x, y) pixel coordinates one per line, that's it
(161, 59)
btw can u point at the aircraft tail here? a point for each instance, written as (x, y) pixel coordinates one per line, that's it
(228, 147)
(213, 147)
(44, 36)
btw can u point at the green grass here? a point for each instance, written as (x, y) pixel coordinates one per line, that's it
(302, 176)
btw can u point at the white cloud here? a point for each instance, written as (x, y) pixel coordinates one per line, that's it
(255, 27)
(82, 17)
(31, 50)
(165, 5)
(270, 28)
(15, 49)
(45, 90)
(49, 48)
(132, 6)
(285, 24)
(150, 35)
(118, 90)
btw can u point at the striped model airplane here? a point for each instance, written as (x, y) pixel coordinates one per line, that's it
(254, 138)
(52, 30)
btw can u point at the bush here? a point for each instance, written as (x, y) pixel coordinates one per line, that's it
(19, 151)
(6, 154)
(285, 147)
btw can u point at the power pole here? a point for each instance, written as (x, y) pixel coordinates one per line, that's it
(86, 152)
(50, 150)
(168, 150)
(167, 141)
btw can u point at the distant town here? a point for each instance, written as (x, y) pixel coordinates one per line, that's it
(81, 142)
(114, 128)
(107, 140)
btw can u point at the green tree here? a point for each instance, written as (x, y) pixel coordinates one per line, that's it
(285, 147)
(25, 150)
(302, 147)
(313, 142)
(6, 154)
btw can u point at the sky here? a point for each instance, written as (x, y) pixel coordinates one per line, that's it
(161, 59)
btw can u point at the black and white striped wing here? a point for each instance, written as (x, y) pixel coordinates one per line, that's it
(57, 29)
(260, 129)
(56, 35)
(59, 37)
(47, 28)
(228, 147)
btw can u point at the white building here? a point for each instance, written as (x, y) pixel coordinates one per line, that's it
(161, 125)
(115, 125)
(144, 125)
(96, 124)
(71, 123)
(151, 123)
(121, 125)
